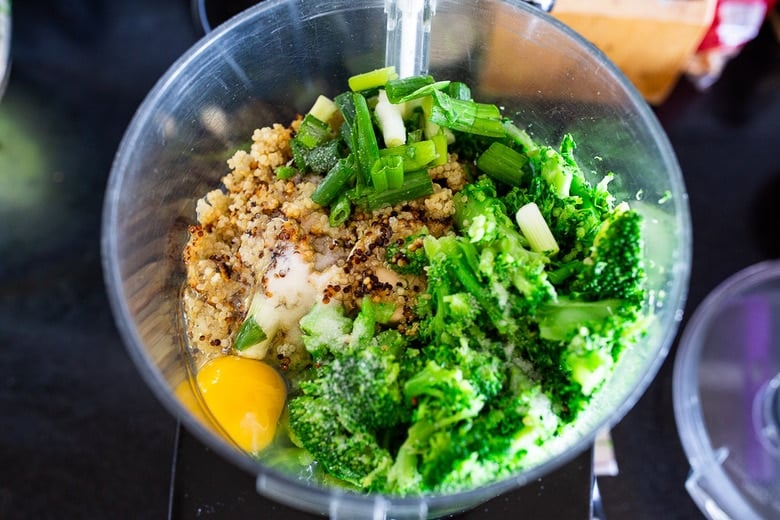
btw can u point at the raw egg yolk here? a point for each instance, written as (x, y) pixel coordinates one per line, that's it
(245, 397)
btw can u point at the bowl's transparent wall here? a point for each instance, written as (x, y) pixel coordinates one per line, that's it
(270, 63)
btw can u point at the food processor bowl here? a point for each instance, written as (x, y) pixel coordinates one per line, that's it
(268, 64)
(727, 396)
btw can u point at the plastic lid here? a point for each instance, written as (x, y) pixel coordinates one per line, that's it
(727, 396)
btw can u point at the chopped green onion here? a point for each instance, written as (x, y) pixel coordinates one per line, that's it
(299, 153)
(285, 172)
(366, 147)
(323, 108)
(338, 180)
(535, 229)
(371, 79)
(440, 142)
(399, 88)
(414, 136)
(313, 132)
(520, 136)
(467, 116)
(390, 121)
(340, 211)
(379, 177)
(423, 91)
(503, 164)
(322, 158)
(395, 171)
(415, 155)
(387, 172)
(429, 128)
(459, 90)
(249, 334)
(416, 184)
(346, 106)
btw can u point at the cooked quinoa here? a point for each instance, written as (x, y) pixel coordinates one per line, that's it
(250, 228)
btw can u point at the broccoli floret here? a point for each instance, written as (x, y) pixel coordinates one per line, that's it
(406, 255)
(447, 311)
(479, 213)
(476, 357)
(325, 328)
(504, 259)
(353, 396)
(454, 268)
(549, 361)
(404, 477)
(579, 341)
(572, 207)
(582, 333)
(494, 443)
(352, 456)
(441, 398)
(365, 389)
(615, 267)
(451, 331)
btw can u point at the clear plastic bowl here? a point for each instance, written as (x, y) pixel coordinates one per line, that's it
(727, 397)
(269, 63)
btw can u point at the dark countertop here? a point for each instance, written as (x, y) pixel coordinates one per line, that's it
(81, 436)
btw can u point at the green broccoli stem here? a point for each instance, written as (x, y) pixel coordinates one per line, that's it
(365, 323)
(563, 272)
(460, 259)
(561, 319)
(404, 476)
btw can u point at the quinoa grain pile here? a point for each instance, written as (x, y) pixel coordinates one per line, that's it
(256, 229)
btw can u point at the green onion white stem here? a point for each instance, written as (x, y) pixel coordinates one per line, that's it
(323, 108)
(390, 119)
(536, 230)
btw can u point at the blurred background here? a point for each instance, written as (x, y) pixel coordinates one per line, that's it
(81, 436)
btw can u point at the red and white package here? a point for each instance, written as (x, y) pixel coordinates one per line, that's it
(736, 22)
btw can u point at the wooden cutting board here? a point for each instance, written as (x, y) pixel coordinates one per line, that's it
(649, 40)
